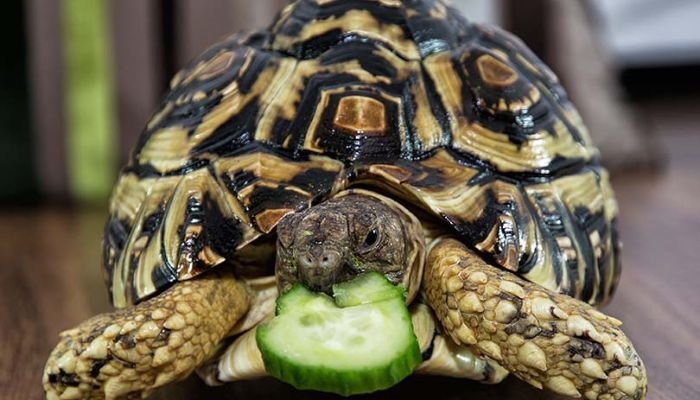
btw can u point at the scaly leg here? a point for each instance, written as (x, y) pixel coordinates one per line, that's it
(547, 339)
(130, 352)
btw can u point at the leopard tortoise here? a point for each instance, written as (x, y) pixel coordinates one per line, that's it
(352, 136)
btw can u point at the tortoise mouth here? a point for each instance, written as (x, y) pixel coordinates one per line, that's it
(320, 281)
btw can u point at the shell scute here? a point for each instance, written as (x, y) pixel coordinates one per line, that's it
(406, 96)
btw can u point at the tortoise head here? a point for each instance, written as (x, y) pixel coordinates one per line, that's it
(355, 232)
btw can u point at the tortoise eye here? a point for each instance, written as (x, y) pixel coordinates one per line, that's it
(371, 239)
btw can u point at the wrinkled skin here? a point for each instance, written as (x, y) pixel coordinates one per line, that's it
(339, 239)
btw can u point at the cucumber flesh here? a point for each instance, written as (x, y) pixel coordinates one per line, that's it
(366, 288)
(365, 346)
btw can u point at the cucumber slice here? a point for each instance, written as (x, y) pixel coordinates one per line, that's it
(366, 345)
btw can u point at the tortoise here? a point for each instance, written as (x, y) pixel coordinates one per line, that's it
(351, 136)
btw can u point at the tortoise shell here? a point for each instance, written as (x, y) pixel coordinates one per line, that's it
(459, 119)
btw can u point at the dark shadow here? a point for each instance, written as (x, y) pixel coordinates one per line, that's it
(18, 181)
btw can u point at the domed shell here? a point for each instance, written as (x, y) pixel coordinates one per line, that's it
(457, 118)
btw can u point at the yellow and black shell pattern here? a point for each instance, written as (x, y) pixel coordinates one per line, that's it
(456, 118)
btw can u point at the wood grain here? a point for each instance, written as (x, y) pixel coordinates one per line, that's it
(50, 280)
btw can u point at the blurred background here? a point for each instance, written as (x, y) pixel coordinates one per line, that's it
(79, 79)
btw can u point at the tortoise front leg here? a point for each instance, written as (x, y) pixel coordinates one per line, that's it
(547, 339)
(130, 352)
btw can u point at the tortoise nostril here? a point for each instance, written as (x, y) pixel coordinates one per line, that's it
(328, 259)
(305, 261)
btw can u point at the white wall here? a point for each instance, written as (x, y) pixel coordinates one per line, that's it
(652, 32)
(479, 10)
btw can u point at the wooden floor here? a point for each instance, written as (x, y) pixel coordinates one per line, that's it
(50, 280)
